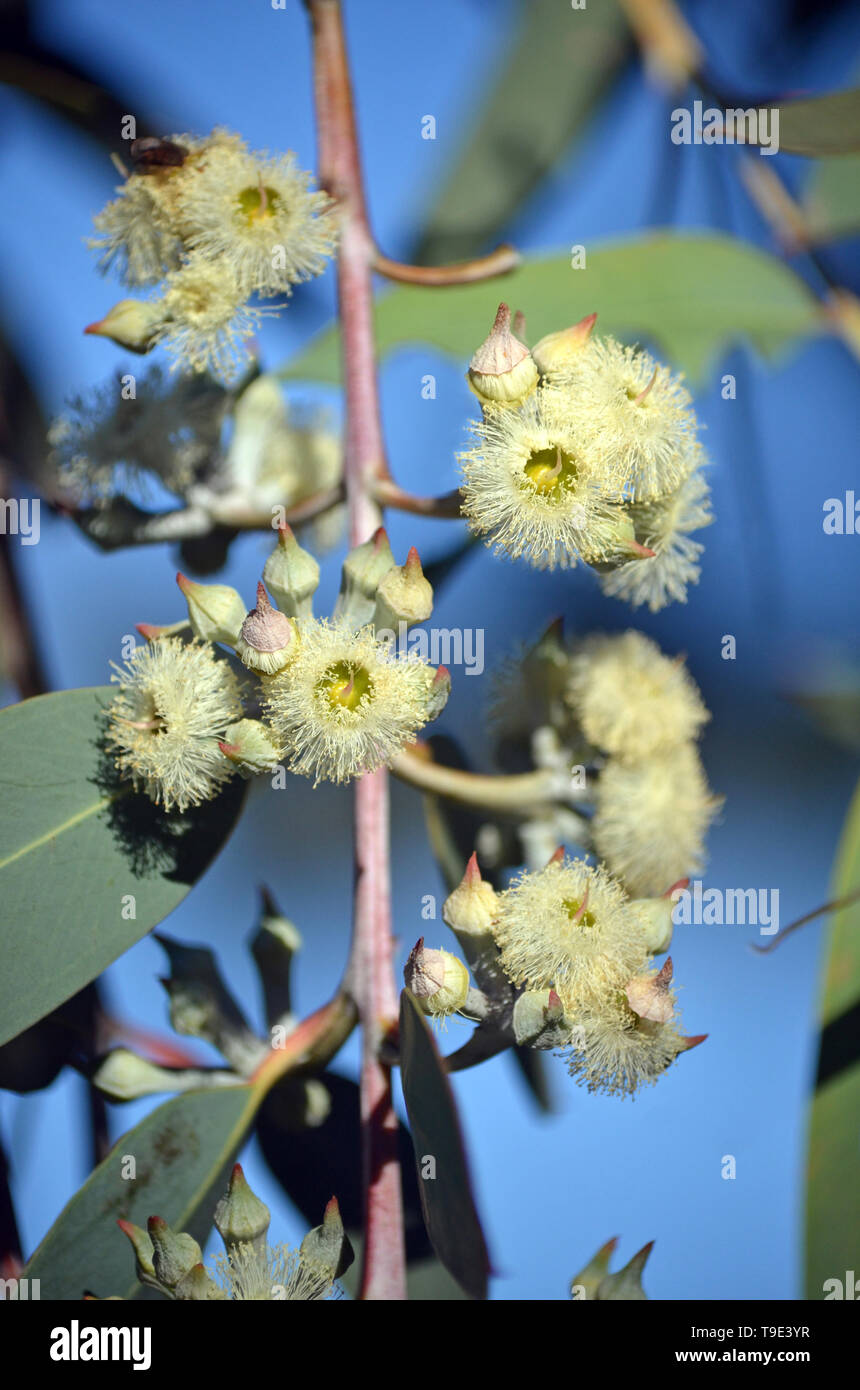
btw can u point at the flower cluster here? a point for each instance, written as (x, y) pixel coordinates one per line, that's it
(338, 697)
(627, 717)
(580, 950)
(250, 1269)
(212, 224)
(587, 450)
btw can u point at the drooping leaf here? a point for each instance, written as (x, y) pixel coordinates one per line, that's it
(443, 1173)
(74, 844)
(693, 294)
(815, 126)
(181, 1151)
(561, 62)
(833, 1192)
(832, 201)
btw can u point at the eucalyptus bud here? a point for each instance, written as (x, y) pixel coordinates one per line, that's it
(328, 1246)
(123, 1075)
(502, 371)
(240, 1216)
(250, 746)
(199, 1287)
(132, 324)
(363, 570)
(626, 1285)
(268, 638)
(216, 612)
(291, 575)
(440, 689)
(403, 596)
(143, 1250)
(559, 350)
(539, 1020)
(584, 1285)
(474, 904)
(648, 995)
(655, 914)
(438, 980)
(174, 1252)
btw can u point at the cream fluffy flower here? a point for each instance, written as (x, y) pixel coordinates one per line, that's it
(572, 928)
(273, 1273)
(204, 320)
(616, 1052)
(650, 819)
(532, 487)
(106, 443)
(630, 698)
(633, 410)
(346, 704)
(664, 526)
(259, 218)
(174, 704)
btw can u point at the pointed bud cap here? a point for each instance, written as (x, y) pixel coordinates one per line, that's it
(559, 350)
(363, 569)
(403, 596)
(649, 995)
(240, 1216)
(327, 1247)
(291, 575)
(174, 1252)
(438, 980)
(626, 1285)
(132, 324)
(268, 638)
(502, 371)
(474, 905)
(584, 1285)
(142, 1245)
(216, 612)
(251, 745)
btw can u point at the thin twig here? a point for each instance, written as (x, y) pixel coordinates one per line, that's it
(517, 793)
(499, 262)
(445, 508)
(833, 906)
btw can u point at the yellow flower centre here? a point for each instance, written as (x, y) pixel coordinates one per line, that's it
(551, 471)
(257, 203)
(576, 915)
(345, 685)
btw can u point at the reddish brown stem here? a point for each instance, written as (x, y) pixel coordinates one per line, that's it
(371, 975)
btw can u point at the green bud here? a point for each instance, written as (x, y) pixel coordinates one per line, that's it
(626, 1285)
(240, 1216)
(539, 1020)
(655, 915)
(216, 612)
(174, 1252)
(559, 350)
(199, 1286)
(363, 570)
(328, 1246)
(123, 1075)
(502, 371)
(291, 575)
(403, 596)
(585, 1284)
(132, 324)
(249, 744)
(143, 1249)
(268, 638)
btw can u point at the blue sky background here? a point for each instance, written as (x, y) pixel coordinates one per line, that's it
(551, 1189)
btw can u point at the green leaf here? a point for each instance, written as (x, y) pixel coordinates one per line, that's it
(833, 1192)
(819, 125)
(560, 64)
(74, 844)
(181, 1152)
(693, 294)
(446, 1192)
(832, 202)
